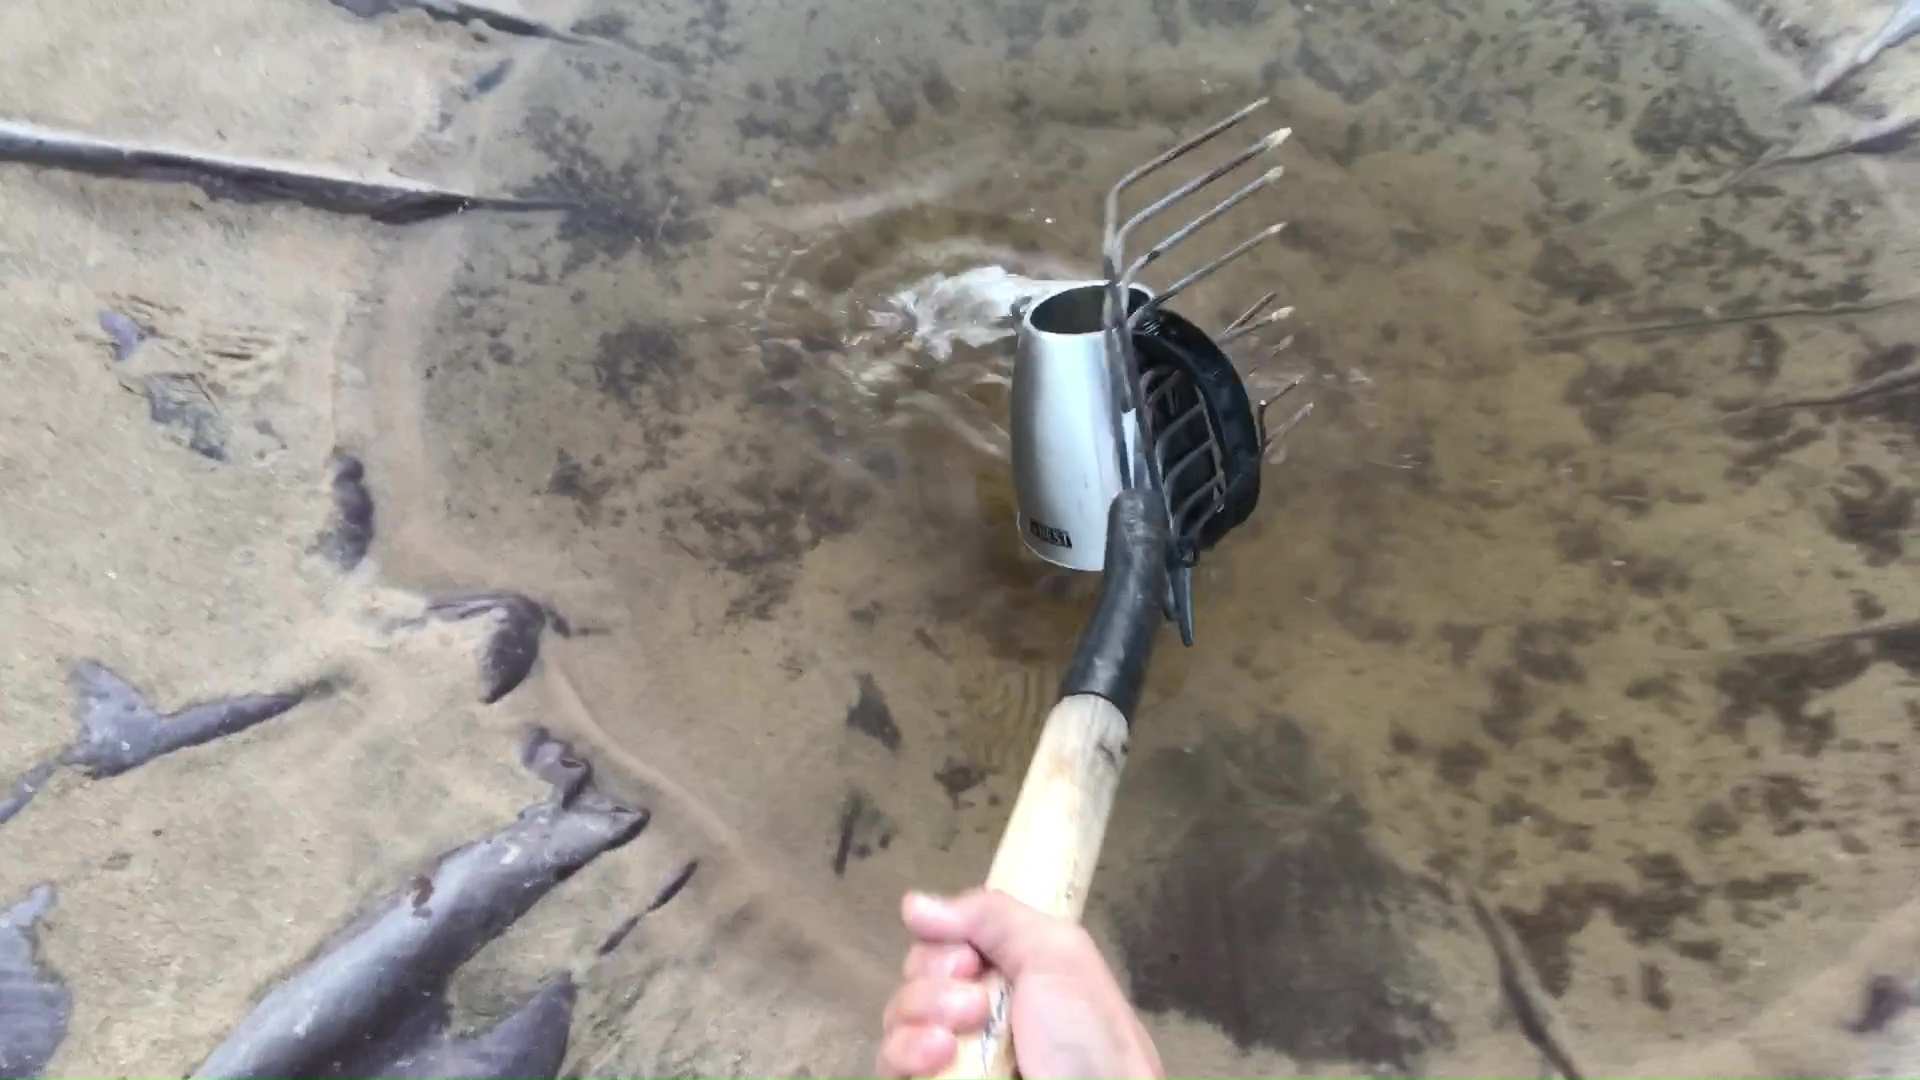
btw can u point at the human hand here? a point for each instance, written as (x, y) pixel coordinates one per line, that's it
(1068, 1015)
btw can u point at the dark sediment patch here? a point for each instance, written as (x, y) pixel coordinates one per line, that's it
(1666, 900)
(1872, 514)
(614, 209)
(1567, 726)
(1461, 763)
(1238, 14)
(762, 528)
(1604, 396)
(1783, 685)
(1653, 986)
(1627, 771)
(1562, 270)
(571, 479)
(1713, 822)
(1506, 715)
(1566, 835)
(870, 716)
(1544, 650)
(1666, 896)
(811, 123)
(1462, 641)
(958, 778)
(1786, 802)
(1292, 943)
(863, 829)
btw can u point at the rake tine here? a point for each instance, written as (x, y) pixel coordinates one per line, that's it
(1267, 403)
(1193, 487)
(1263, 181)
(1207, 270)
(1119, 321)
(1246, 316)
(1113, 238)
(1253, 327)
(1292, 422)
(1153, 209)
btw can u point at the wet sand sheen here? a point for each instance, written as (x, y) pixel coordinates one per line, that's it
(1507, 620)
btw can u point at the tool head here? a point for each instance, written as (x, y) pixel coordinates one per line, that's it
(1143, 399)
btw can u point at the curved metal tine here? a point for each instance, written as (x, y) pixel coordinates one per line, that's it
(1178, 422)
(1180, 466)
(1285, 344)
(1239, 332)
(1167, 386)
(1246, 316)
(1267, 440)
(1261, 182)
(1115, 314)
(1111, 235)
(1206, 271)
(1180, 193)
(1292, 385)
(1213, 488)
(1267, 403)
(1152, 383)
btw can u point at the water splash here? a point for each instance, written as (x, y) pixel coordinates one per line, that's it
(977, 307)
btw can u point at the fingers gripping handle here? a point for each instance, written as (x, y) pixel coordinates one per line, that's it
(1047, 854)
(1052, 840)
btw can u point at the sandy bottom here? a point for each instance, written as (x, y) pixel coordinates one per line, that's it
(1554, 667)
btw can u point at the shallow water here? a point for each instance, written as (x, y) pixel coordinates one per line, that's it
(1530, 608)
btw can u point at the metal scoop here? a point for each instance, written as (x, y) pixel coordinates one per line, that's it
(1114, 390)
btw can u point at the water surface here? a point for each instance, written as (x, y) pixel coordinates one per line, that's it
(1532, 609)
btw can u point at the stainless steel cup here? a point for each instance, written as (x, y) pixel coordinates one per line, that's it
(1068, 427)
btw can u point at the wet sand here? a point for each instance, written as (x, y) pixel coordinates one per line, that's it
(1559, 685)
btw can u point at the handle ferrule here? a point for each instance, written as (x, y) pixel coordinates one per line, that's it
(1111, 658)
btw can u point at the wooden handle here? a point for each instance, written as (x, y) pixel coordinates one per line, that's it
(1046, 856)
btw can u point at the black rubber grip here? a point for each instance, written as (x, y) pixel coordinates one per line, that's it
(1111, 659)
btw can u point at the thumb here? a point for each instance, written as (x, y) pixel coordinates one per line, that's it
(1006, 932)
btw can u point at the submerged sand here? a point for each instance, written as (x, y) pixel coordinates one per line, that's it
(800, 632)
